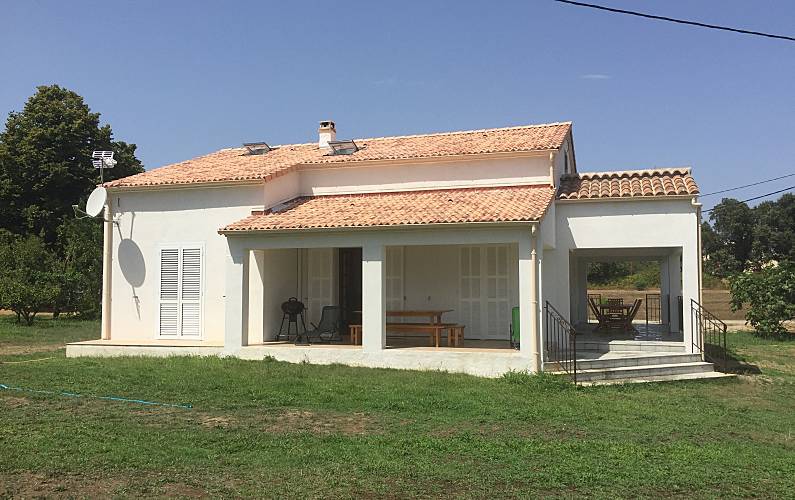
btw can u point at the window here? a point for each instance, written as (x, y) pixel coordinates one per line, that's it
(181, 291)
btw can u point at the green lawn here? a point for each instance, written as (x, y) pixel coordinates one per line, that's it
(274, 429)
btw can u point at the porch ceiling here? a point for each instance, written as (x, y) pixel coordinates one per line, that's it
(444, 206)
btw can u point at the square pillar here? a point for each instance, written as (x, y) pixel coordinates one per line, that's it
(675, 288)
(665, 292)
(529, 334)
(581, 291)
(690, 290)
(256, 297)
(236, 297)
(373, 297)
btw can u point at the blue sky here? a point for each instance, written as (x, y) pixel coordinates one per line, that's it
(183, 78)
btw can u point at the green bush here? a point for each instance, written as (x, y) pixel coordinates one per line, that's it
(28, 277)
(770, 295)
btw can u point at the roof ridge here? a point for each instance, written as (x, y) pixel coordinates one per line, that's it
(647, 171)
(456, 132)
(429, 134)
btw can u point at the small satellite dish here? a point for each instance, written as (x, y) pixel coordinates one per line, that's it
(96, 201)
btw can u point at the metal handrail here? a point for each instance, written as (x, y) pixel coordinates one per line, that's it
(708, 335)
(560, 341)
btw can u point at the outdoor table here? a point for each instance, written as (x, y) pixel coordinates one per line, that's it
(622, 309)
(434, 315)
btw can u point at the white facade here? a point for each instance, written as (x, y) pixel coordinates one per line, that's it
(479, 271)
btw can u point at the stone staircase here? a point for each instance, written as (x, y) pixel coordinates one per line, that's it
(619, 366)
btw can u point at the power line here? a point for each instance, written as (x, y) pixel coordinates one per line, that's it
(754, 198)
(679, 21)
(747, 185)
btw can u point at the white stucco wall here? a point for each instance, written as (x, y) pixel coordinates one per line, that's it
(435, 175)
(149, 219)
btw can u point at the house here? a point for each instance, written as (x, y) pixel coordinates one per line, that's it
(200, 255)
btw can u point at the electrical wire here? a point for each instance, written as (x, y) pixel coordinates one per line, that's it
(678, 21)
(754, 198)
(747, 185)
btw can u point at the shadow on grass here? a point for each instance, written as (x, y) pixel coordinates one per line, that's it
(728, 361)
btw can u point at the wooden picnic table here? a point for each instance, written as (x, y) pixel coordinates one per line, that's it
(433, 327)
(434, 315)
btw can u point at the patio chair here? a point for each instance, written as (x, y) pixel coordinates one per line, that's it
(597, 312)
(328, 328)
(633, 312)
(615, 302)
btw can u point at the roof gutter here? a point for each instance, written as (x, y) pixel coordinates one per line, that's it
(402, 227)
(190, 185)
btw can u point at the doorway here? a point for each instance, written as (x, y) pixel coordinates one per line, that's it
(350, 286)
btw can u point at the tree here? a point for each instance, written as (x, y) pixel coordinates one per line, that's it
(79, 271)
(45, 161)
(28, 282)
(770, 295)
(774, 233)
(728, 245)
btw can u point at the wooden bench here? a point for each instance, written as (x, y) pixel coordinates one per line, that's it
(356, 334)
(455, 335)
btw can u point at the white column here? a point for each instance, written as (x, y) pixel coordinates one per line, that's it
(675, 288)
(581, 292)
(690, 289)
(373, 297)
(256, 297)
(236, 297)
(528, 300)
(665, 292)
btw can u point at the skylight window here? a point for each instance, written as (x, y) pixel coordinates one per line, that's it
(257, 148)
(343, 147)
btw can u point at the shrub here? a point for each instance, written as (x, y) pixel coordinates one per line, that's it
(28, 282)
(770, 295)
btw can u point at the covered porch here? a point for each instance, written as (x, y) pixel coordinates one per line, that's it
(384, 283)
(657, 314)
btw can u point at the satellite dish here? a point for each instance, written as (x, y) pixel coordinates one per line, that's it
(96, 201)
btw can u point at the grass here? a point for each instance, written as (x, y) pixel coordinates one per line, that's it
(274, 429)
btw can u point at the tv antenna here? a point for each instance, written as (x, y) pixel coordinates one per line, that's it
(102, 160)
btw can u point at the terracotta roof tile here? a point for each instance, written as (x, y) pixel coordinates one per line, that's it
(632, 183)
(488, 204)
(235, 165)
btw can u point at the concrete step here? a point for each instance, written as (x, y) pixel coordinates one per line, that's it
(661, 378)
(641, 359)
(629, 345)
(643, 371)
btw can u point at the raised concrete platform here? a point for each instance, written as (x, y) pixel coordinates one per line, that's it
(472, 361)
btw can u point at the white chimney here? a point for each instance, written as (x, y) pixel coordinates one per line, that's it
(326, 133)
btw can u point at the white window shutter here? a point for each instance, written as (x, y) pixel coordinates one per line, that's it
(321, 281)
(394, 279)
(169, 292)
(180, 292)
(168, 319)
(191, 274)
